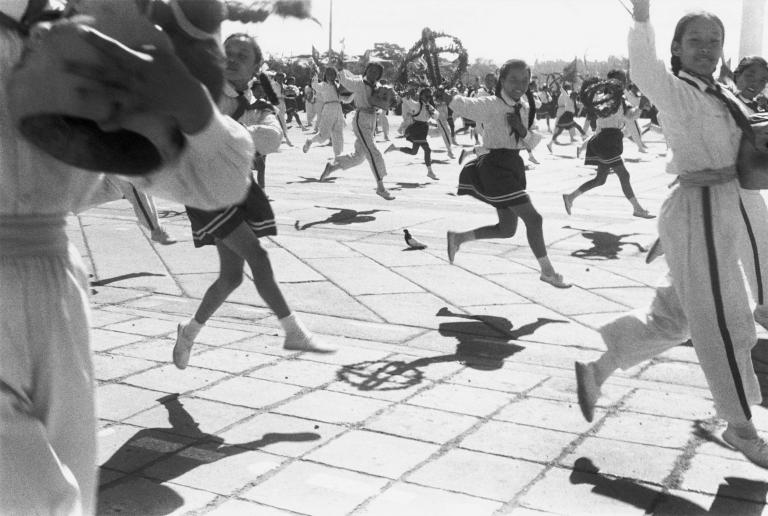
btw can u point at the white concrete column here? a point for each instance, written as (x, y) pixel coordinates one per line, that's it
(752, 22)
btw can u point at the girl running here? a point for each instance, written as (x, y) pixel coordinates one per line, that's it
(417, 132)
(236, 230)
(498, 177)
(704, 230)
(330, 121)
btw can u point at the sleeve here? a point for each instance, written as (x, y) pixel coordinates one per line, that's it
(350, 80)
(474, 108)
(267, 135)
(648, 71)
(212, 172)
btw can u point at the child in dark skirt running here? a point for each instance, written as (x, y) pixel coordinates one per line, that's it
(498, 177)
(417, 132)
(235, 231)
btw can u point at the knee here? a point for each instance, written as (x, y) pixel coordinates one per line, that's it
(533, 219)
(229, 281)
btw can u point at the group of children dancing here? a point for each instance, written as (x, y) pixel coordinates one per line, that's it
(709, 229)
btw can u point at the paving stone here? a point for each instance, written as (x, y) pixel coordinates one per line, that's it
(214, 467)
(110, 296)
(239, 507)
(685, 503)
(103, 340)
(249, 392)
(347, 355)
(648, 429)
(587, 494)
(359, 329)
(325, 298)
(483, 475)
(332, 407)
(373, 453)
(457, 286)
(214, 335)
(281, 435)
(631, 297)
(504, 379)
(393, 256)
(413, 309)
(555, 415)
(363, 276)
(307, 247)
(676, 373)
(623, 459)
(116, 401)
(488, 265)
(233, 360)
(421, 423)
(169, 379)
(564, 389)
(142, 496)
(127, 448)
(193, 418)
(156, 350)
(289, 269)
(149, 327)
(298, 372)
(518, 441)
(717, 475)
(460, 399)
(109, 367)
(663, 403)
(406, 499)
(101, 318)
(315, 489)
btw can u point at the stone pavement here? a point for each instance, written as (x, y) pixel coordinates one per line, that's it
(453, 390)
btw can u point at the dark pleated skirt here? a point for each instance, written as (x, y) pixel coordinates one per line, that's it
(255, 211)
(496, 178)
(605, 148)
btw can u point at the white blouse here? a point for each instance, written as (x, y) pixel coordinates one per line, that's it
(702, 134)
(492, 112)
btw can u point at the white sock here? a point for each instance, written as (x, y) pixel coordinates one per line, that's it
(546, 265)
(192, 328)
(292, 325)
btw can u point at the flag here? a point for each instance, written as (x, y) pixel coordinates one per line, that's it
(726, 74)
(569, 72)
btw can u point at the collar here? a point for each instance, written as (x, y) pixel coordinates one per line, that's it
(700, 83)
(231, 92)
(510, 101)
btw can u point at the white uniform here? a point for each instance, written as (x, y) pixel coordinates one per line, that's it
(330, 120)
(364, 126)
(47, 414)
(704, 234)
(310, 106)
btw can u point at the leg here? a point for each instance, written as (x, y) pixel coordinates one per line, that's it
(626, 188)
(230, 277)
(428, 160)
(598, 180)
(245, 244)
(505, 228)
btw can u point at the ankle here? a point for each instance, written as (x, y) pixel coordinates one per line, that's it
(604, 368)
(743, 430)
(191, 329)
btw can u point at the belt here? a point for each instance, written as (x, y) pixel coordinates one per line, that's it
(369, 110)
(707, 177)
(33, 235)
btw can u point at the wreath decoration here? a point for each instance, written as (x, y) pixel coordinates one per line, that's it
(603, 98)
(427, 48)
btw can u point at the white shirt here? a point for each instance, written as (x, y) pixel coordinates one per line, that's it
(702, 134)
(356, 85)
(492, 112)
(262, 125)
(212, 171)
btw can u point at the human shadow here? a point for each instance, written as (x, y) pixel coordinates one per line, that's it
(404, 186)
(169, 214)
(179, 449)
(343, 217)
(605, 246)
(484, 343)
(107, 281)
(734, 496)
(307, 180)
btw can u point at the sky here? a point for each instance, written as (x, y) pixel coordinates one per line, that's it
(491, 29)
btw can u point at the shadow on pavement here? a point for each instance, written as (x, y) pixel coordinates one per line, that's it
(733, 496)
(760, 362)
(605, 246)
(342, 217)
(306, 180)
(176, 450)
(107, 281)
(484, 343)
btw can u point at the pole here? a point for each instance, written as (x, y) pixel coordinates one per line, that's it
(330, 31)
(752, 21)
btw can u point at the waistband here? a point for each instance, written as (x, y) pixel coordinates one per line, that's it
(368, 110)
(707, 177)
(503, 150)
(33, 235)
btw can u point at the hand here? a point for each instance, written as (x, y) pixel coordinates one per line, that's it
(152, 80)
(641, 10)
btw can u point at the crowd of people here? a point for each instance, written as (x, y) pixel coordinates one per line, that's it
(709, 228)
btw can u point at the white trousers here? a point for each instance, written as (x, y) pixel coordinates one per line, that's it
(364, 125)
(47, 414)
(705, 234)
(330, 125)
